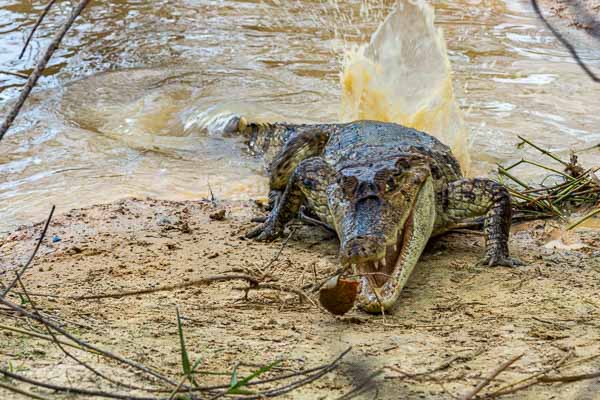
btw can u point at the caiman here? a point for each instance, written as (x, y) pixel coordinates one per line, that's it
(385, 189)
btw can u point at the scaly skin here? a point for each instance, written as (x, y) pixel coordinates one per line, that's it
(383, 188)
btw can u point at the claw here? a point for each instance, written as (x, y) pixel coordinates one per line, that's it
(500, 261)
(265, 232)
(254, 232)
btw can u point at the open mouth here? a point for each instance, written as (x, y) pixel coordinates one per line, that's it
(380, 271)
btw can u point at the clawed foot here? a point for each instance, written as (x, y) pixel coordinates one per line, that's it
(266, 232)
(500, 261)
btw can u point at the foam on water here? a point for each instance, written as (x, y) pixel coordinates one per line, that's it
(403, 75)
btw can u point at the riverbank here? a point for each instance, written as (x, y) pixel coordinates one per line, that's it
(455, 323)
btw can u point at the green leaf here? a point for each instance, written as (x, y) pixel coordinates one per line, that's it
(196, 364)
(185, 360)
(23, 299)
(235, 386)
(234, 377)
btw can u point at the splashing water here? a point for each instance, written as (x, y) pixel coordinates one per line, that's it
(403, 75)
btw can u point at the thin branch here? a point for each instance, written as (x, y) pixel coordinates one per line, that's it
(37, 247)
(569, 378)
(36, 25)
(73, 357)
(301, 382)
(196, 282)
(72, 390)
(40, 336)
(83, 343)
(276, 257)
(527, 382)
(494, 374)
(17, 74)
(39, 68)
(564, 41)
(25, 393)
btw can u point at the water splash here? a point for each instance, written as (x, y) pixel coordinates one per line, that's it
(403, 75)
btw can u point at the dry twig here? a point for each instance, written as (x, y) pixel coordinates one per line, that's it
(28, 263)
(40, 67)
(494, 374)
(36, 25)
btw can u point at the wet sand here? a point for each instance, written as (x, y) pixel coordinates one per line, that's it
(454, 318)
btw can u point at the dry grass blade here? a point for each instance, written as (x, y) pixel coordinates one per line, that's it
(72, 390)
(576, 188)
(583, 219)
(16, 74)
(195, 282)
(70, 355)
(570, 378)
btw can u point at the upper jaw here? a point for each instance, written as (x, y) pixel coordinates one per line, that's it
(379, 267)
(412, 239)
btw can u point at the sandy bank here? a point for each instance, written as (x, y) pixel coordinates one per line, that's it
(454, 318)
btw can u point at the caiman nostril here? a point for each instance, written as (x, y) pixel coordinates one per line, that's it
(362, 247)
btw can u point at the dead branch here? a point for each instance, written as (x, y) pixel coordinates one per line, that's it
(40, 67)
(82, 343)
(35, 250)
(57, 342)
(569, 378)
(195, 282)
(564, 42)
(36, 25)
(494, 374)
(533, 380)
(301, 382)
(40, 336)
(283, 245)
(72, 390)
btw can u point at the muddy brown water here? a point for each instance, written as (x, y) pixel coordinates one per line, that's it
(128, 104)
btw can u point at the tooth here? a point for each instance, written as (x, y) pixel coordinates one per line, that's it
(383, 263)
(395, 248)
(376, 264)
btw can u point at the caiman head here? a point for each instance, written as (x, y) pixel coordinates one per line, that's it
(384, 213)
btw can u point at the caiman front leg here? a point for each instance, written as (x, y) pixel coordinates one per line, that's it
(305, 144)
(307, 183)
(470, 198)
(283, 146)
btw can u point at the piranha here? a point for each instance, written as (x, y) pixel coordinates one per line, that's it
(383, 188)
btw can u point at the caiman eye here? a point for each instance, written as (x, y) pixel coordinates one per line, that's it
(390, 184)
